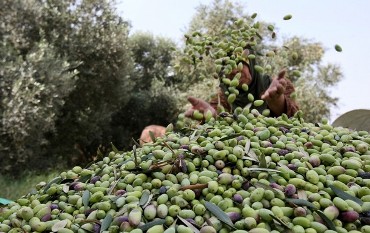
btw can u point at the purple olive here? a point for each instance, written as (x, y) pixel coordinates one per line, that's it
(79, 186)
(245, 185)
(238, 198)
(120, 192)
(308, 145)
(96, 228)
(314, 161)
(300, 211)
(283, 152)
(121, 219)
(284, 130)
(266, 144)
(239, 138)
(192, 221)
(289, 190)
(53, 206)
(162, 189)
(185, 147)
(72, 185)
(198, 193)
(292, 167)
(234, 216)
(46, 217)
(349, 216)
(347, 149)
(94, 179)
(276, 186)
(88, 211)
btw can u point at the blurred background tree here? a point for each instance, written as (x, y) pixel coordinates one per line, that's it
(155, 99)
(45, 44)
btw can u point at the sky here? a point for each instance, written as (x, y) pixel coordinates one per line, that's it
(328, 22)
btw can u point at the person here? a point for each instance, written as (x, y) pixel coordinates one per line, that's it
(157, 130)
(275, 91)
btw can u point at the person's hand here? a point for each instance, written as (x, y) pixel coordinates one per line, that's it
(200, 105)
(274, 95)
(276, 88)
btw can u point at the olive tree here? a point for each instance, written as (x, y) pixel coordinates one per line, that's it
(155, 99)
(66, 71)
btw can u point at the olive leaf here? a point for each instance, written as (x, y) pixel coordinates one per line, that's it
(56, 180)
(264, 186)
(99, 153)
(327, 221)
(192, 137)
(253, 155)
(152, 137)
(305, 153)
(59, 225)
(365, 220)
(144, 198)
(263, 169)
(262, 159)
(65, 188)
(136, 143)
(124, 162)
(282, 222)
(230, 137)
(84, 228)
(219, 213)
(65, 181)
(302, 194)
(85, 198)
(106, 222)
(135, 155)
(115, 173)
(364, 175)
(191, 226)
(151, 224)
(114, 148)
(114, 184)
(308, 165)
(284, 124)
(249, 158)
(340, 193)
(146, 157)
(247, 146)
(97, 173)
(85, 178)
(300, 202)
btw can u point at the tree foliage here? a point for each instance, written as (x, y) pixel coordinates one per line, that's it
(31, 101)
(45, 44)
(152, 56)
(155, 99)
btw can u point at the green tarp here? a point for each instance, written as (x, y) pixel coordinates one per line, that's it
(5, 201)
